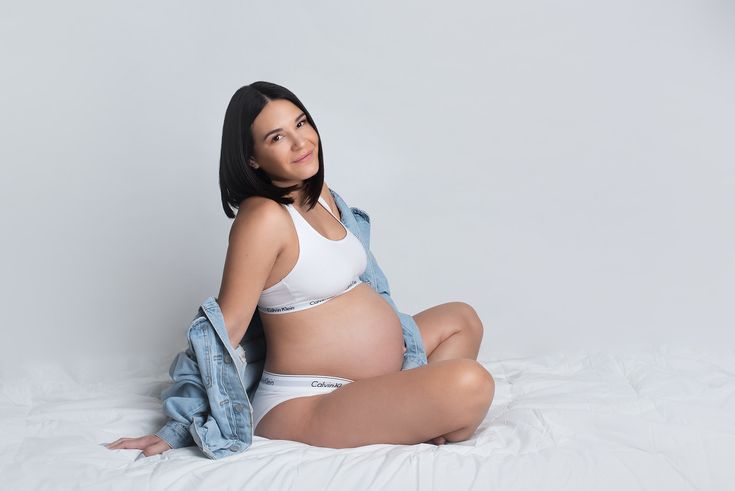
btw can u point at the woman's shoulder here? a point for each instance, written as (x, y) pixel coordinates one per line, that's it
(257, 203)
(258, 211)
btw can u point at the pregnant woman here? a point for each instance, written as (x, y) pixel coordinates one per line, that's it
(332, 376)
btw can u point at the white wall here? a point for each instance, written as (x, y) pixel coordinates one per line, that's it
(564, 167)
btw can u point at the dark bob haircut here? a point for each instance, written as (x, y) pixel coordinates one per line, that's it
(237, 180)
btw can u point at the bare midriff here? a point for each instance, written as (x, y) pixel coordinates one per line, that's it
(354, 335)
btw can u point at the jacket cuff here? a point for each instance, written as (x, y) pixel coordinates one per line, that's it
(176, 434)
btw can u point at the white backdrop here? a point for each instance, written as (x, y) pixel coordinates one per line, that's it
(564, 167)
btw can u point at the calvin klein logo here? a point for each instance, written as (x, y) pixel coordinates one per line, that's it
(278, 309)
(267, 381)
(317, 383)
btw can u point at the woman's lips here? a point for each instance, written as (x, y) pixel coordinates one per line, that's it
(304, 158)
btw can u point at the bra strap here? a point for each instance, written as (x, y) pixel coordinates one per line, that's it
(324, 202)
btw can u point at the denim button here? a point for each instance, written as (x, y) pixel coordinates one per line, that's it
(227, 358)
(237, 408)
(234, 448)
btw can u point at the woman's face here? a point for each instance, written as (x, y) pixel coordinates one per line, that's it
(282, 135)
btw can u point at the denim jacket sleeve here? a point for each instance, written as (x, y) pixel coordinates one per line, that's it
(183, 399)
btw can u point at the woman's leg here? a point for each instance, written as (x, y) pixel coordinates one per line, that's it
(448, 398)
(449, 331)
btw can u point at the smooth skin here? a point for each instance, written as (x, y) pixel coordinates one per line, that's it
(448, 398)
(442, 401)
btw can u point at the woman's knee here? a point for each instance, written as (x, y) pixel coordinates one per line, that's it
(472, 319)
(474, 380)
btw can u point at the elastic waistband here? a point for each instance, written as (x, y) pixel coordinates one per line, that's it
(284, 380)
(306, 304)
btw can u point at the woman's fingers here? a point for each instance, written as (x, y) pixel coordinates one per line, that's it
(149, 444)
(139, 443)
(127, 443)
(115, 443)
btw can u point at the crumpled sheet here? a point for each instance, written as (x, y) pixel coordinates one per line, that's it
(662, 420)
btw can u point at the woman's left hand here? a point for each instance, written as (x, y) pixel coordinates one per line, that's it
(149, 444)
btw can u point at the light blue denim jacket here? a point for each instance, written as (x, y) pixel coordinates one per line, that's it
(209, 401)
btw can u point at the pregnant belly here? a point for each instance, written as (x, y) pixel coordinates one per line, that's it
(355, 335)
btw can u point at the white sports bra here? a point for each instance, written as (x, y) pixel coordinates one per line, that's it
(325, 269)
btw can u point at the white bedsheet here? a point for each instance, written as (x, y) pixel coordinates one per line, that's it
(582, 421)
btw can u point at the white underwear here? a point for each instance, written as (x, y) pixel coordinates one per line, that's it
(275, 388)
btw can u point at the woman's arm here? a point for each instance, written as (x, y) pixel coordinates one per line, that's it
(256, 240)
(254, 243)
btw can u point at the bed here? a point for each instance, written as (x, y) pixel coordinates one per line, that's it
(657, 420)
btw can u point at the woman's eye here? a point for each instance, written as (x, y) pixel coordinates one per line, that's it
(277, 135)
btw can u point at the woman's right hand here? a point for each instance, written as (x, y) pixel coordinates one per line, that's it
(149, 444)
